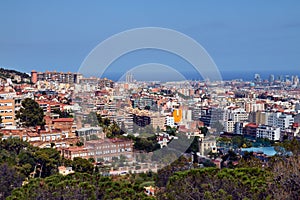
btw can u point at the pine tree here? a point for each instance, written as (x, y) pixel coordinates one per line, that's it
(31, 114)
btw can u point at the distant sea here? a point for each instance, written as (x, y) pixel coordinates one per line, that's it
(227, 75)
(249, 75)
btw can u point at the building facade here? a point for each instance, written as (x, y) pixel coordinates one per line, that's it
(101, 150)
(7, 112)
(269, 132)
(61, 77)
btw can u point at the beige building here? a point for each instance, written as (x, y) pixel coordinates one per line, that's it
(158, 120)
(207, 144)
(7, 112)
(261, 117)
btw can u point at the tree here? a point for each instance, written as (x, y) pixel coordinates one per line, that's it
(82, 165)
(82, 186)
(194, 147)
(212, 183)
(91, 160)
(79, 144)
(203, 130)
(47, 160)
(31, 114)
(9, 180)
(171, 130)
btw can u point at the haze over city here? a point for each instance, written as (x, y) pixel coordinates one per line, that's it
(149, 100)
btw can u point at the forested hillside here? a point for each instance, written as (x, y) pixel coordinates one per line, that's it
(251, 179)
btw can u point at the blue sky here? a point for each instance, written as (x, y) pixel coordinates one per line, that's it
(239, 35)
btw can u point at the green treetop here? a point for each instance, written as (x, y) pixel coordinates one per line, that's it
(30, 114)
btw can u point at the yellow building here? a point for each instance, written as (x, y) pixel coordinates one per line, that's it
(177, 114)
(7, 112)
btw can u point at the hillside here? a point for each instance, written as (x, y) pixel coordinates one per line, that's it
(16, 76)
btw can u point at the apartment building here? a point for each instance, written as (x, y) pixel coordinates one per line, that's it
(263, 118)
(269, 132)
(158, 120)
(238, 115)
(49, 106)
(61, 77)
(104, 149)
(254, 106)
(229, 126)
(7, 112)
(273, 118)
(250, 129)
(285, 121)
(169, 121)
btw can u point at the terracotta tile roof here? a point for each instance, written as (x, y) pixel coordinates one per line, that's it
(63, 120)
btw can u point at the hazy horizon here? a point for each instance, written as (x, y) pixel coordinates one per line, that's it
(237, 35)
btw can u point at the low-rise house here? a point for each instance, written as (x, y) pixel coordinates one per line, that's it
(65, 170)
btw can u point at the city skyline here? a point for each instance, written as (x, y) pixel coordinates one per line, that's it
(149, 99)
(253, 37)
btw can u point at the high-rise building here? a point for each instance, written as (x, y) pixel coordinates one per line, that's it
(212, 115)
(34, 77)
(238, 128)
(280, 78)
(285, 121)
(158, 120)
(177, 115)
(262, 117)
(287, 78)
(129, 77)
(271, 78)
(169, 121)
(237, 115)
(296, 80)
(257, 78)
(273, 118)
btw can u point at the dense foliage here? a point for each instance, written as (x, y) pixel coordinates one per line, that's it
(148, 144)
(10, 73)
(19, 161)
(279, 178)
(212, 183)
(30, 114)
(252, 179)
(79, 186)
